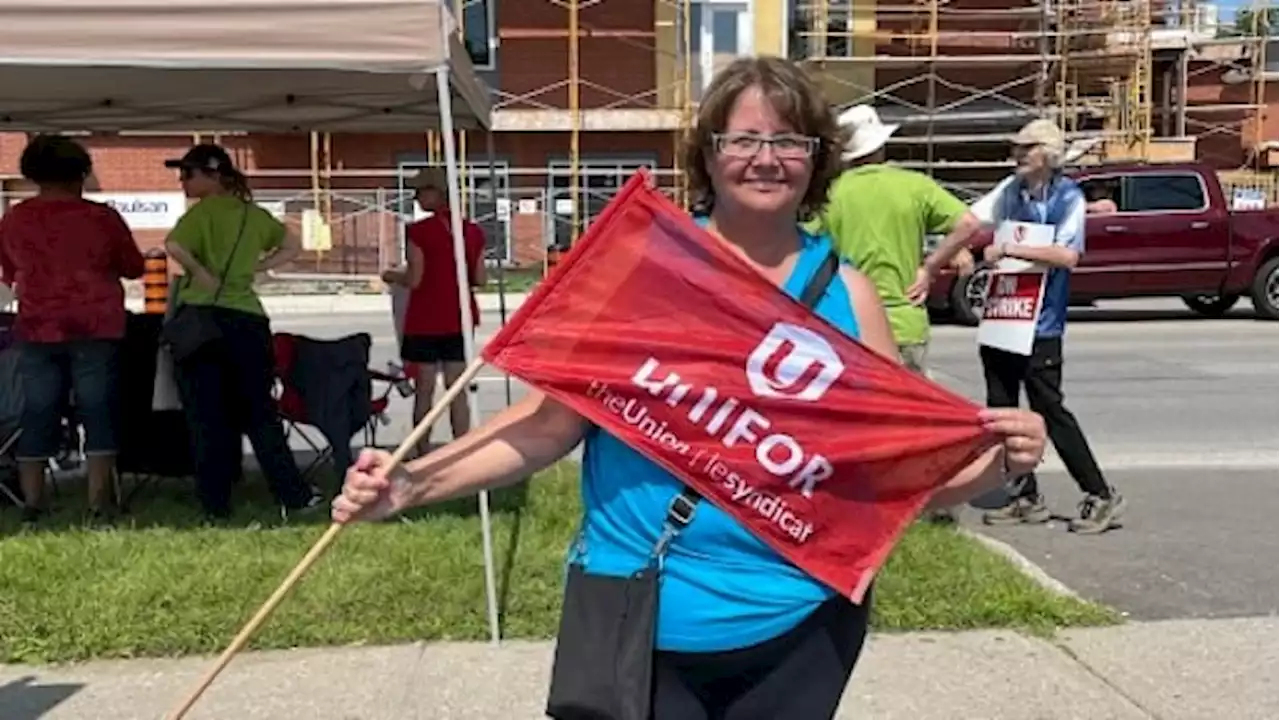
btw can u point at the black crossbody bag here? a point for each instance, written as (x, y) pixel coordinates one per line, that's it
(603, 667)
(192, 327)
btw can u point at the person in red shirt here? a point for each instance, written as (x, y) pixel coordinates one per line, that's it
(433, 318)
(64, 256)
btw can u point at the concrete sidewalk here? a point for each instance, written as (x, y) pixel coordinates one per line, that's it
(1174, 670)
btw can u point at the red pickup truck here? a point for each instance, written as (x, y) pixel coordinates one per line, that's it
(1171, 234)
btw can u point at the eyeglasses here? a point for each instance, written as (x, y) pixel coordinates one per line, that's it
(748, 145)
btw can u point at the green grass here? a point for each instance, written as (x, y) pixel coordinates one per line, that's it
(162, 584)
(515, 280)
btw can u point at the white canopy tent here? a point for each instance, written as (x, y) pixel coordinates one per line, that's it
(210, 65)
(249, 65)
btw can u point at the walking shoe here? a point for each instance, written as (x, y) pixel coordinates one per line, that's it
(100, 518)
(1020, 511)
(313, 503)
(31, 517)
(942, 516)
(1098, 514)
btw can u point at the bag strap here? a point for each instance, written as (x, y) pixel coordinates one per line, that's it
(821, 280)
(682, 507)
(226, 267)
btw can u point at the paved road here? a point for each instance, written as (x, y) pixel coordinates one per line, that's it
(1197, 543)
(1152, 385)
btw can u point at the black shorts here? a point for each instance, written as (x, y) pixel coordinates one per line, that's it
(432, 349)
(799, 675)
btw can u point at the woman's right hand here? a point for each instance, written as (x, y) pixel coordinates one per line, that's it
(393, 275)
(373, 490)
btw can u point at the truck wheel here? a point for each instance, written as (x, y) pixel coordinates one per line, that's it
(968, 295)
(1211, 305)
(1263, 292)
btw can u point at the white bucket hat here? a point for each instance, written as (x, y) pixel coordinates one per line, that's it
(867, 133)
(1042, 132)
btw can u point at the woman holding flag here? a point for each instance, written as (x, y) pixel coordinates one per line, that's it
(743, 633)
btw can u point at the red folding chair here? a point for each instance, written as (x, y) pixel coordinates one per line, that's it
(293, 413)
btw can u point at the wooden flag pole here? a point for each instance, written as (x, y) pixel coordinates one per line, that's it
(318, 549)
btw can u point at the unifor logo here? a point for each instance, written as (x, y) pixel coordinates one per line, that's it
(793, 362)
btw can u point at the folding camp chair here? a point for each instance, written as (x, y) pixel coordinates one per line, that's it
(8, 464)
(297, 417)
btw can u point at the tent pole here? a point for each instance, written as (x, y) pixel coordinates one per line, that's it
(497, 224)
(444, 98)
(315, 182)
(326, 144)
(574, 121)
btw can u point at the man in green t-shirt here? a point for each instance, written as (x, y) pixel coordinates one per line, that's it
(878, 216)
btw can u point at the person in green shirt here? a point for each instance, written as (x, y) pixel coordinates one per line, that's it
(878, 216)
(223, 242)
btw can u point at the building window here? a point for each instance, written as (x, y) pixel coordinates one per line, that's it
(477, 31)
(720, 33)
(805, 36)
(724, 33)
(599, 179)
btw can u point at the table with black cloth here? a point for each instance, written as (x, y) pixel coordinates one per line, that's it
(151, 442)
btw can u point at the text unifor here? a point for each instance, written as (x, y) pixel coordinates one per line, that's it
(731, 423)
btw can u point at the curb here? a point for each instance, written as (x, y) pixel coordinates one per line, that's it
(1024, 564)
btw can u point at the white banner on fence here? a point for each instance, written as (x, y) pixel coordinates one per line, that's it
(145, 210)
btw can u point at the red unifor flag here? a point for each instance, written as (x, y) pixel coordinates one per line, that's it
(660, 334)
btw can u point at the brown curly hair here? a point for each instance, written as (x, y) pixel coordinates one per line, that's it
(794, 96)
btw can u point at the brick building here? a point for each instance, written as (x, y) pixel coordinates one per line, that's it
(961, 75)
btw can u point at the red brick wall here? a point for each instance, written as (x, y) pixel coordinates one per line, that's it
(1224, 135)
(616, 55)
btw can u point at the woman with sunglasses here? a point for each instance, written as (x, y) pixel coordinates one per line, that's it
(223, 242)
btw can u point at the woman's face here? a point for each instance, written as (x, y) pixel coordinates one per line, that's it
(759, 162)
(198, 183)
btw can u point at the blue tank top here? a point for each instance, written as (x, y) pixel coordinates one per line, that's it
(721, 588)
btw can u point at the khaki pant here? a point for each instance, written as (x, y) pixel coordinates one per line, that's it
(916, 357)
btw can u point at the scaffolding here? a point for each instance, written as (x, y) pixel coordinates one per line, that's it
(961, 76)
(1128, 80)
(667, 106)
(1227, 96)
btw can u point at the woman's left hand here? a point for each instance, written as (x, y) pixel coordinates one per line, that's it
(1023, 433)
